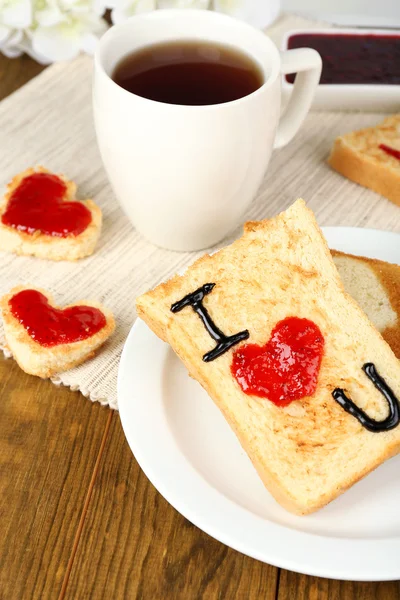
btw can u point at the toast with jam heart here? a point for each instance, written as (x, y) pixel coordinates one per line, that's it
(46, 339)
(371, 157)
(39, 216)
(303, 378)
(375, 286)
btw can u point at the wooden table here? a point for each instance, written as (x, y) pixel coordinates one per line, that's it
(80, 520)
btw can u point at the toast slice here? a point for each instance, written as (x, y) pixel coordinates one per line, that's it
(371, 157)
(375, 286)
(312, 450)
(45, 361)
(39, 244)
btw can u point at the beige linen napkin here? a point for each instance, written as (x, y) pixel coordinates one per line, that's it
(49, 122)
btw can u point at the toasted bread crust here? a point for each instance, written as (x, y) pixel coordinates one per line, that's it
(357, 156)
(46, 246)
(42, 361)
(389, 276)
(311, 451)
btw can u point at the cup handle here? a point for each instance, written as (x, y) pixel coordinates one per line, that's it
(307, 63)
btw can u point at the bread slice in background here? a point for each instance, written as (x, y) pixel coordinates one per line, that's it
(42, 361)
(47, 246)
(375, 285)
(312, 450)
(357, 156)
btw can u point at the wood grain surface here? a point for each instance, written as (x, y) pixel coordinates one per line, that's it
(79, 520)
(50, 440)
(138, 546)
(293, 586)
(15, 73)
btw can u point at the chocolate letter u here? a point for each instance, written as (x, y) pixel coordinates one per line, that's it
(393, 418)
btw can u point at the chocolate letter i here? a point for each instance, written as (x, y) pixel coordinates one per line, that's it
(224, 342)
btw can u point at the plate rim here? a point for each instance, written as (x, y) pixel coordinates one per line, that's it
(331, 545)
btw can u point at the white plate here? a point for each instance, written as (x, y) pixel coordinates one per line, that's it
(189, 453)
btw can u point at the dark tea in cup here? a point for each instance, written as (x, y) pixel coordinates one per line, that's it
(192, 72)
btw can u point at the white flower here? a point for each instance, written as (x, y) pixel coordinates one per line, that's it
(50, 30)
(47, 13)
(16, 14)
(259, 13)
(96, 6)
(203, 4)
(4, 33)
(123, 9)
(66, 39)
(227, 6)
(11, 43)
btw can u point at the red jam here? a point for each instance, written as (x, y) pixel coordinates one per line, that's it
(50, 326)
(286, 368)
(37, 204)
(390, 151)
(353, 58)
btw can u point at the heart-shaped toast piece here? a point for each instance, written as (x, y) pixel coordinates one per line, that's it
(38, 204)
(286, 368)
(46, 339)
(40, 216)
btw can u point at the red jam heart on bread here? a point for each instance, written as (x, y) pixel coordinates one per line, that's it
(49, 326)
(38, 204)
(286, 368)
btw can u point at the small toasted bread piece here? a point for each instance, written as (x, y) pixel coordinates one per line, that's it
(312, 450)
(360, 157)
(375, 285)
(41, 245)
(43, 361)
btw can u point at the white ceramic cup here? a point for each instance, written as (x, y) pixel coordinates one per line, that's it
(185, 175)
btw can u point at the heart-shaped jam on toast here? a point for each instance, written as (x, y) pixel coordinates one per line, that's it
(286, 368)
(39, 216)
(46, 339)
(50, 326)
(39, 204)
